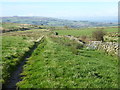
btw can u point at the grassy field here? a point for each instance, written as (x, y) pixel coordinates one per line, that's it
(54, 64)
(9, 27)
(58, 62)
(14, 47)
(86, 31)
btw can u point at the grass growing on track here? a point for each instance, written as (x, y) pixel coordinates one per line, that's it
(14, 47)
(54, 65)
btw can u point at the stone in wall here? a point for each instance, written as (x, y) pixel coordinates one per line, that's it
(108, 47)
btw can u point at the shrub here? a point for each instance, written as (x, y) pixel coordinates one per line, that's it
(98, 35)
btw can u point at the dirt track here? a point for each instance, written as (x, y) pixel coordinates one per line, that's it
(15, 76)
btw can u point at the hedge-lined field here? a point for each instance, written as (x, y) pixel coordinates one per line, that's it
(54, 64)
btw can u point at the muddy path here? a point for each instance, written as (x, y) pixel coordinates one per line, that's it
(15, 76)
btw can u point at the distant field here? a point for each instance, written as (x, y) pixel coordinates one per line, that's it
(86, 31)
(14, 46)
(9, 27)
(57, 61)
(15, 25)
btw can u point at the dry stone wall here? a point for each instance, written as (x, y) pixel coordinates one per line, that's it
(108, 47)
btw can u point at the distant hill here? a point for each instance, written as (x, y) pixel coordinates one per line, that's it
(54, 22)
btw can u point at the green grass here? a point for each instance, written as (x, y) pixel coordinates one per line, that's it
(32, 34)
(86, 31)
(8, 27)
(15, 25)
(54, 65)
(14, 47)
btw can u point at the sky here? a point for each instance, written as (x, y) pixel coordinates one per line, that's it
(59, 0)
(68, 9)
